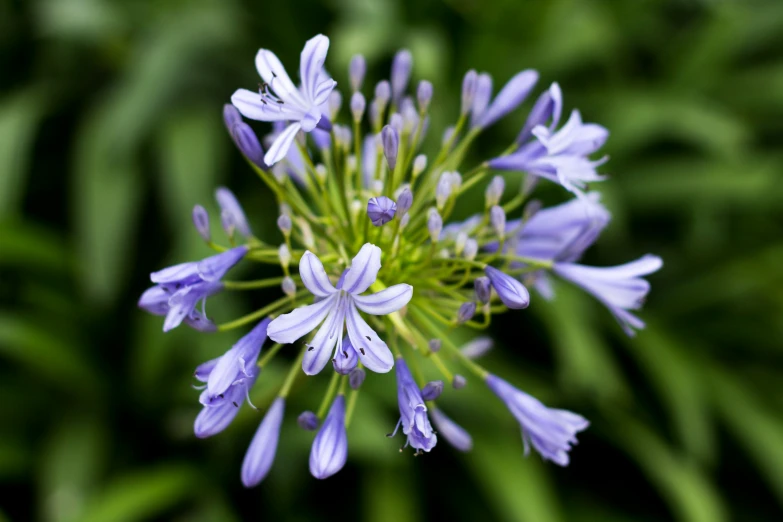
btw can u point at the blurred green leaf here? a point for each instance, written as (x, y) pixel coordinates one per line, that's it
(143, 494)
(32, 246)
(390, 497)
(15, 458)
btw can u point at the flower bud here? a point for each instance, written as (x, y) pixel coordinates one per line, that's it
(345, 359)
(497, 218)
(443, 190)
(284, 254)
(401, 72)
(424, 95)
(459, 382)
(397, 122)
(468, 91)
(471, 249)
(330, 447)
(381, 210)
(232, 214)
(334, 102)
(482, 97)
(288, 286)
(434, 345)
(477, 347)
(356, 378)
(483, 289)
(382, 94)
(513, 294)
(466, 312)
(201, 222)
(227, 222)
(432, 390)
(447, 135)
(308, 420)
(321, 173)
(404, 221)
(419, 164)
(529, 184)
(459, 243)
(391, 143)
(358, 104)
(404, 201)
(284, 224)
(494, 191)
(356, 70)
(434, 225)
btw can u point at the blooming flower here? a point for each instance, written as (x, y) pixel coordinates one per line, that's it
(261, 453)
(330, 447)
(338, 306)
(300, 105)
(413, 411)
(180, 288)
(550, 431)
(620, 288)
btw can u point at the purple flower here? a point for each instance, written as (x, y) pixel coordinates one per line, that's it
(308, 420)
(550, 431)
(330, 447)
(181, 287)
(218, 411)
(548, 106)
(235, 364)
(561, 156)
(201, 222)
(381, 210)
(413, 411)
(345, 358)
(400, 73)
(244, 137)
(620, 288)
(230, 207)
(452, 432)
(356, 70)
(513, 294)
(391, 144)
(510, 96)
(483, 289)
(261, 452)
(340, 306)
(281, 100)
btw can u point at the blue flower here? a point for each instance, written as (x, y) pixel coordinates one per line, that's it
(286, 102)
(513, 293)
(413, 412)
(381, 210)
(330, 447)
(620, 288)
(552, 432)
(180, 288)
(452, 432)
(261, 453)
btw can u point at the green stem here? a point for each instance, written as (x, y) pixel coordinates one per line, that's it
(292, 373)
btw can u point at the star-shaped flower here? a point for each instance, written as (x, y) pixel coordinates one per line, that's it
(340, 306)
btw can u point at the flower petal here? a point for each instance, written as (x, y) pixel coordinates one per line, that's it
(289, 327)
(274, 74)
(261, 452)
(250, 105)
(385, 301)
(373, 352)
(364, 269)
(320, 348)
(314, 276)
(509, 97)
(311, 63)
(451, 431)
(330, 447)
(282, 144)
(215, 267)
(244, 352)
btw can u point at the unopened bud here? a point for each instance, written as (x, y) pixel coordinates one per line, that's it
(201, 222)
(466, 312)
(483, 289)
(459, 382)
(471, 249)
(404, 221)
(308, 420)
(468, 91)
(497, 218)
(432, 390)
(532, 207)
(381, 210)
(434, 225)
(321, 173)
(358, 104)
(284, 254)
(391, 143)
(419, 164)
(404, 201)
(494, 191)
(284, 224)
(382, 94)
(424, 95)
(288, 286)
(356, 70)
(227, 222)
(334, 102)
(397, 123)
(401, 72)
(434, 345)
(459, 243)
(356, 378)
(447, 135)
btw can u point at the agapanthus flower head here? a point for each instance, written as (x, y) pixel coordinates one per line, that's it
(345, 193)
(551, 432)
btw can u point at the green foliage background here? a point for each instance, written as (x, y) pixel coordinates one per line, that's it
(110, 130)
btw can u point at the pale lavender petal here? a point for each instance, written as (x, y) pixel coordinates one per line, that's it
(274, 74)
(386, 301)
(310, 64)
(364, 269)
(513, 293)
(282, 144)
(510, 96)
(204, 369)
(330, 447)
(289, 327)
(451, 431)
(261, 452)
(319, 350)
(250, 105)
(314, 276)
(215, 267)
(477, 347)
(235, 361)
(373, 352)
(228, 203)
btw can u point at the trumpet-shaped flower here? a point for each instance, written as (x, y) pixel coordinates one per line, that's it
(413, 412)
(280, 100)
(339, 306)
(620, 288)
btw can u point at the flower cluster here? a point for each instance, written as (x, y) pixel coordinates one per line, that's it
(383, 276)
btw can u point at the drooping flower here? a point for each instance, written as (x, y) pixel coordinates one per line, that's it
(552, 432)
(451, 432)
(340, 306)
(218, 411)
(413, 412)
(281, 100)
(620, 288)
(330, 447)
(181, 287)
(261, 453)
